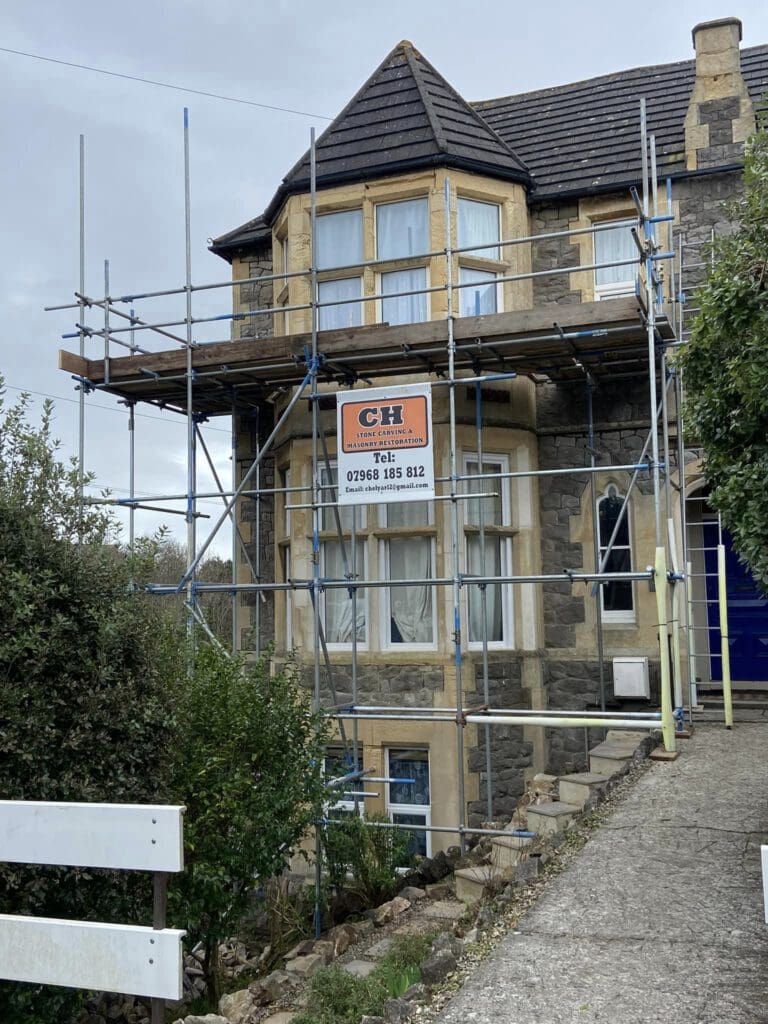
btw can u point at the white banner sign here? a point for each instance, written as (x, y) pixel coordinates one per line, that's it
(385, 445)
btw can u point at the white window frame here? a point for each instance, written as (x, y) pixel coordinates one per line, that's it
(330, 536)
(425, 809)
(478, 254)
(507, 599)
(385, 615)
(626, 616)
(617, 289)
(396, 202)
(344, 263)
(427, 295)
(499, 290)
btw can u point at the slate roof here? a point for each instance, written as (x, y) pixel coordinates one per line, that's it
(584, 137)
(405, 117)
(569, 140)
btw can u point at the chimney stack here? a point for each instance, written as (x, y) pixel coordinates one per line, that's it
(720, 114)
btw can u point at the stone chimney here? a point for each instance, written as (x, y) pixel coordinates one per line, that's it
(720, 114)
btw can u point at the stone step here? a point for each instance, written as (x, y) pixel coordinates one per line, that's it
(546, 819)
(575, 789)
(607, 758)
(507, 852)
(471, 883)
(628, 737)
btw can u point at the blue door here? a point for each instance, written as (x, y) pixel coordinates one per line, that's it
(747, 613)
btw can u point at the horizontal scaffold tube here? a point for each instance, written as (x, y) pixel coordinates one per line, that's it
(588, 721)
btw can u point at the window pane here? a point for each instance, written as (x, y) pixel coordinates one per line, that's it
(609, 513)
(337, 601)
(477, 224)
(492, 508)
(487, 563)
(617, 596)
(339, 239)
(407, 513)
(401, 229)
(615, 244)
(410, 608)
(482, 298)
(331, 318)
(409, 764)
(346, 512)
(417, 844)
(405, 309)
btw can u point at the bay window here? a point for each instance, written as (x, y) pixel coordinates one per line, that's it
(402, 232)
(339, 243)
(477, 224)
(481, 297)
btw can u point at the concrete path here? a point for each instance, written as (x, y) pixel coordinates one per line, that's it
(660, 918)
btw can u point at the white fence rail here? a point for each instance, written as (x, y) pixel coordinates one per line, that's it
(131, 959)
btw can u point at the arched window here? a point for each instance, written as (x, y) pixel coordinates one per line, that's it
(617, 597)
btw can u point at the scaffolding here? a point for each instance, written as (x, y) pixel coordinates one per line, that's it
(616, 339)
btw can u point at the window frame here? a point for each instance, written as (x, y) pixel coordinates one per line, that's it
(478, 254)
(386, 534)
(498, 288)
(426, 294)
(505, 532)
(618, 616)
(329, 535)
(616, 289)
(396, 808)
(350, 303)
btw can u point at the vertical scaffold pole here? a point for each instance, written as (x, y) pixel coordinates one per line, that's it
(191, 515)
(725, 654)
(235, 545)
(455, 564)
(483, 599)
(595, 540)
(660, 561)
(81, 386)
(316, 494)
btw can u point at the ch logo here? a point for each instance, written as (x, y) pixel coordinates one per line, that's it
(381, 416)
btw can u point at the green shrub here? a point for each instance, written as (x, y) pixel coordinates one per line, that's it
(371, 855)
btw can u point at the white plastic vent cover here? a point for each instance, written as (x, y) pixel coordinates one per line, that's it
(630, 678)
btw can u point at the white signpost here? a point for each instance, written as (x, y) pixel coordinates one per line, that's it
(131, 959)
(385, 451)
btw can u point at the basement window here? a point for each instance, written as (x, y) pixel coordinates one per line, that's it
(408, 803)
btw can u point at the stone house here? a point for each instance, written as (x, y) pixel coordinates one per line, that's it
(538, 164)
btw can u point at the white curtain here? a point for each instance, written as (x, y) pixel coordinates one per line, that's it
(478, 300)
(491, 507)
(478, 223)
(339, 239)
(338, 603)
(350, 314)
(490, 565)
(402, 229)
(404, 309)
(410, 608)
(615, 244)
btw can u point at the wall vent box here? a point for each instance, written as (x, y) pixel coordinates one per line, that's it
(630, 678)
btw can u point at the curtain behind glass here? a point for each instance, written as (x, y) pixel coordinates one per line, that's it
(478, 223)
(338, 603)
(402, 229)
(410, 608)
(492, 508)
(615, 244)
(488, 566)
(404, 309)
(481, 299)
(339, 239)
(331, 318)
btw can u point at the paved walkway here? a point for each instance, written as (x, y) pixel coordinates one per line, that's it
(660, 918)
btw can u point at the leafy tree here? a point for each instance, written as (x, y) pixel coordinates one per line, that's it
(248, 768)
(726, 367)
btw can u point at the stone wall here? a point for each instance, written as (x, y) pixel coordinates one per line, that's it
(511, 753)
(256, 295)
(551, 253)
(411, 685)
(256, 425)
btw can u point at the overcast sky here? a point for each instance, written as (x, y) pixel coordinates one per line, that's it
(307, 56)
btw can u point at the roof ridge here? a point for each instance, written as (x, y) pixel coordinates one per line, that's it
(426, 99)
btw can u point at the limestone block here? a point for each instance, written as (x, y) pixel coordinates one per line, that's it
(506, 853)
(359, 968)
(237, 1006)
(546, 819)
(576, 789)
(305, 966)
(471, 883)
